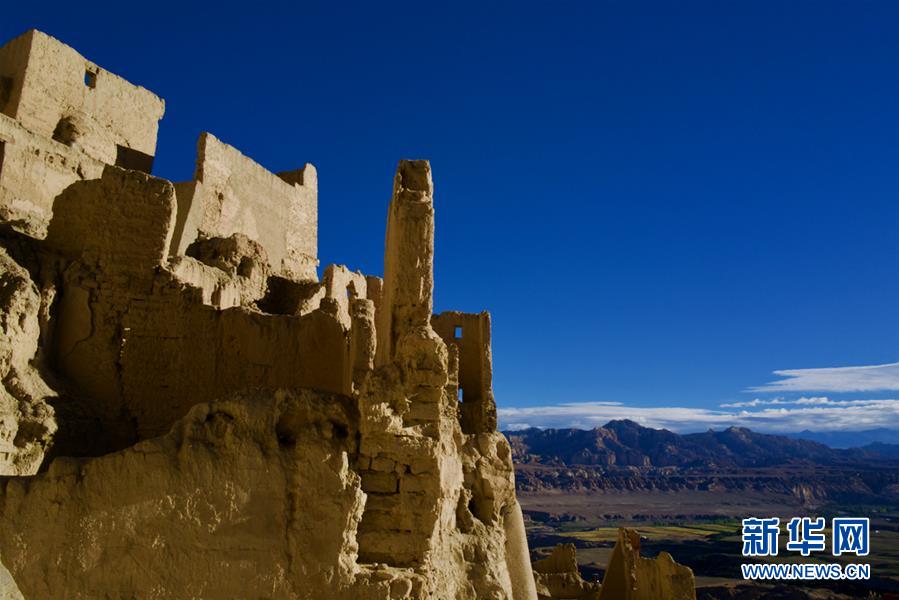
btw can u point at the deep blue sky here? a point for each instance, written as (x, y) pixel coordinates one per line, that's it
(660, 203)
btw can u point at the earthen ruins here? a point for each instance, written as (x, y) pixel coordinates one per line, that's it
(188, 411)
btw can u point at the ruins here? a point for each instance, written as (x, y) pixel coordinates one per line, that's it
(188, 411)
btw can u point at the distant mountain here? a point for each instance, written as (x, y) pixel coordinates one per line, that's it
(849, 439)
(880, 450)
(625, 443)
(624, 456)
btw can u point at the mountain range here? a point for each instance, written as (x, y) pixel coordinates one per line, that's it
(623, 455)
(849, 439)
(624, 443)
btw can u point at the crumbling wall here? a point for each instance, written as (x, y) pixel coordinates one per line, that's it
(174, 355)
(239, 265)
(63, 118)
(363, 342)
(144, 344)
(120, 223)
(432, 492)
(34, 170)
(218, 288)
(233, 194)
(344, 286)
(470, 333)
(57, 93)
(114, 231)
(401, 472)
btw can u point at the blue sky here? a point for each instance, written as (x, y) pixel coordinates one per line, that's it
(660, 203)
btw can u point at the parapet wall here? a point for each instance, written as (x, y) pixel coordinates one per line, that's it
(232, 194)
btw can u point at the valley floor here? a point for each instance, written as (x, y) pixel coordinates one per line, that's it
(702, 529)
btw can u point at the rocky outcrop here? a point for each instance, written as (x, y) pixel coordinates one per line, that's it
(225, 505)
(558, 577)
(27, 422)
(630, 576)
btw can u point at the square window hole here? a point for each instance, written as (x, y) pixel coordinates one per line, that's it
(133, 159)
(90, 79)
(457, 332)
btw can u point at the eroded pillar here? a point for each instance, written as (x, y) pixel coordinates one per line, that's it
(407, 297)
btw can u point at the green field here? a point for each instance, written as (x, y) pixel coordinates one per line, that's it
(658, 532)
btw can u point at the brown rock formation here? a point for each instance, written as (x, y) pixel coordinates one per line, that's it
(27, 422)
(557, 577)
(630, 576)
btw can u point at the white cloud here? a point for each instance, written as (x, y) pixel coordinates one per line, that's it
(817, 414)
(837, 379)
(778, 401)
(776, 415)
(516, 426)
(753, 403)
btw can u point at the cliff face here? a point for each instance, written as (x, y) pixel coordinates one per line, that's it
(253, 496)
(187, 411)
